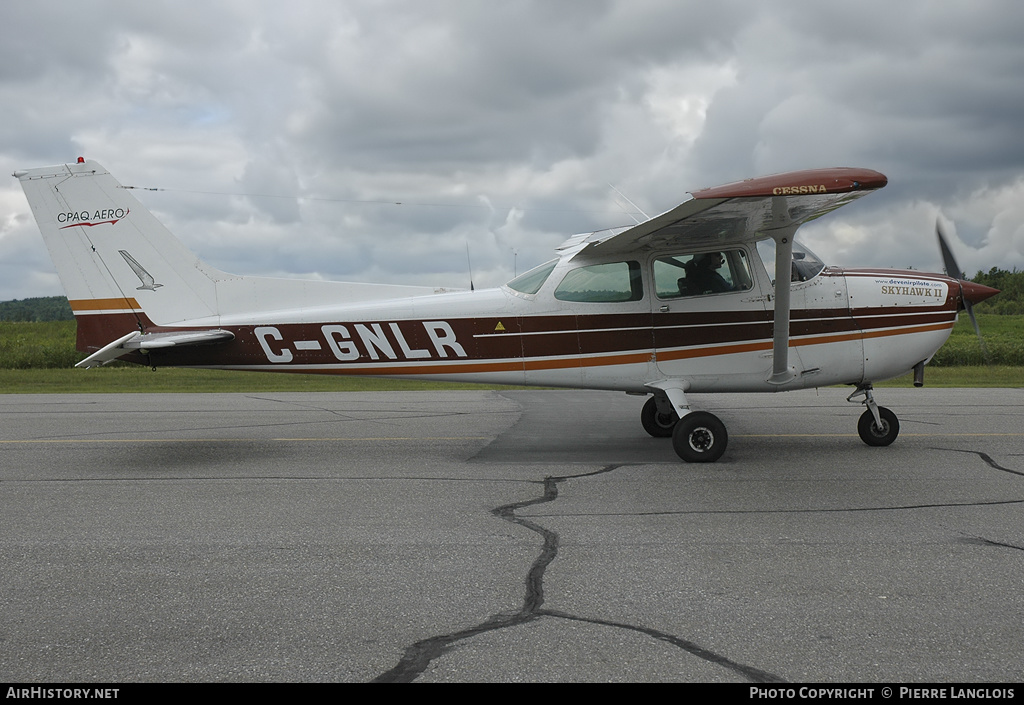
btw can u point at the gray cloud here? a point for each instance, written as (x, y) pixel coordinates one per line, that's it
(501, 125)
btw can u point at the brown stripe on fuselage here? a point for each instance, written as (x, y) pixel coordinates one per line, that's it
(551, 342)
(102, 321)
(96, 331)
(434, 368)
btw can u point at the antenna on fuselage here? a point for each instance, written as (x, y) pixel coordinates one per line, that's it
(638, 209)
(470, 263)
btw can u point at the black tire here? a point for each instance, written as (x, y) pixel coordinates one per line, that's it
(700, 437)
(871, 434)
(656, 423)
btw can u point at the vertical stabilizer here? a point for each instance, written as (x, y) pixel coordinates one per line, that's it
(122, 270)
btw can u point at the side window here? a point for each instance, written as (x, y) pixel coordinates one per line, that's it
(608, 283)
(702, 273)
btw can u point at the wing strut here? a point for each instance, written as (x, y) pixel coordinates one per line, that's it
(781, 370)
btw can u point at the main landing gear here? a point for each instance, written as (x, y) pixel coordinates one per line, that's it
(700, 437)
(697, 436)
(659, 421)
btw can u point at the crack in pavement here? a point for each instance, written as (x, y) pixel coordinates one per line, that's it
(755, 675)
(420, 655)
(980, 541)
(984, 456)
(830, 510)
(822, 510)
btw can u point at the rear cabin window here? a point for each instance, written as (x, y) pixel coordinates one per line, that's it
(698, 274)
(612, 282)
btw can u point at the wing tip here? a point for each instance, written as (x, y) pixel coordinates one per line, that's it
(805, 182)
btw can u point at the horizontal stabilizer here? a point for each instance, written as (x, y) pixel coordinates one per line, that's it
(154, 341)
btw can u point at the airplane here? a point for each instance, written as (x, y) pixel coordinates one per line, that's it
(685, 302)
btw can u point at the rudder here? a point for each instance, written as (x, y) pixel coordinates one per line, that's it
(121, 269)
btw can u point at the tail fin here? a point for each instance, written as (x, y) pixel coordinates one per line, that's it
(122, 270)
(125, 273)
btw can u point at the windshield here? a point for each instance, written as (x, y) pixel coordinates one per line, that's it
(532, 281)
(806, 264)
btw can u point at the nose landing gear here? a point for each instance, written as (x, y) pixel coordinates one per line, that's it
(877, 426)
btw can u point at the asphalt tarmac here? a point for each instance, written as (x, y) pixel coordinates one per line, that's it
(508, 536)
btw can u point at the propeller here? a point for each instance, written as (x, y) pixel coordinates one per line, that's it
(970, 292)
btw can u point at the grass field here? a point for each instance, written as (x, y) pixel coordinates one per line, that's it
(38, 345)
(102, 380)
(1004, 342)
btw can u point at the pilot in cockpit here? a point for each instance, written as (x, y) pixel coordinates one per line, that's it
(702, 275)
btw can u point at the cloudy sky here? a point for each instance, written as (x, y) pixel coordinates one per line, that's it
(379, 140)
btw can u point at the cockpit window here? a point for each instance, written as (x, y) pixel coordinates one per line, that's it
(533, 280)
(806, 264)
(697, 274)
(608, 283)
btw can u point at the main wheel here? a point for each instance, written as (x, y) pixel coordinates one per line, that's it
(874, 435)
(700, 437)
(656, 423)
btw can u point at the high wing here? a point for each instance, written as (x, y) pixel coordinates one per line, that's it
(744, 211)
(754, 209)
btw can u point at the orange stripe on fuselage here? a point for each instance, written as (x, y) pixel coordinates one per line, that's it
(87, 305)
(477, 367)
(799, 342)
(626, 359)
(911, 329)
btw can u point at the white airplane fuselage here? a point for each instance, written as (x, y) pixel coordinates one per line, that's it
(684, 302)
(847, 326)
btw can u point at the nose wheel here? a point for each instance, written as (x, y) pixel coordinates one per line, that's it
(876, 433)
(877, 426)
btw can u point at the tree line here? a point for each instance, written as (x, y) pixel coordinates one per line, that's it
(36, 310)
(1010, 301)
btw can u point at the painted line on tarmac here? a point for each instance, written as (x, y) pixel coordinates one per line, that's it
(854, 435)
(247, 440)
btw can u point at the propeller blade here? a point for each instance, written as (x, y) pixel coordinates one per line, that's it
(948, 260)
(970, 292)
(977, 330)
